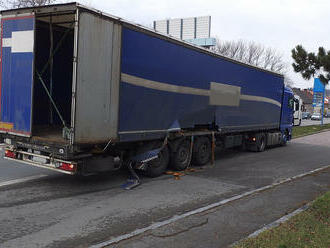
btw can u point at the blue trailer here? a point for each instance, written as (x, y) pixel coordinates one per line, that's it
(83, 91)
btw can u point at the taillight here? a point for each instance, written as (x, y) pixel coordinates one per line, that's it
(10, 154)
(67, 167)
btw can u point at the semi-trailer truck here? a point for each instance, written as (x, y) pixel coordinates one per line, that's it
(83, 92)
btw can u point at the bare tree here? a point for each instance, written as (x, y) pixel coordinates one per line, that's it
(251, 53)
(288, 81)
(254, 54)
(12, 4)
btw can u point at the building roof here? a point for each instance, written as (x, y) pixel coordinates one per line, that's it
(305, 94)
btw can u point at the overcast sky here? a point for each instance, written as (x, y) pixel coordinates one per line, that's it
(279, 24)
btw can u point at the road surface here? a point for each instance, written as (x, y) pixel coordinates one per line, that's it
(62, 211)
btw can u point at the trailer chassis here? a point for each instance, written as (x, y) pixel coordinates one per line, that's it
(180, 149)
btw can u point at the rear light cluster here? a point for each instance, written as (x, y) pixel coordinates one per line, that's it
(10, 154)
(252, 139)
(68, 167)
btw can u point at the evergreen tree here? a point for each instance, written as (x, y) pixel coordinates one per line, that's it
(311, 64)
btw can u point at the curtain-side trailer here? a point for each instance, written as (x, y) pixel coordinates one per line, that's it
(83, 91)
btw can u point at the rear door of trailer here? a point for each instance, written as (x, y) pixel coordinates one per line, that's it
(98, 75)
(16, 73)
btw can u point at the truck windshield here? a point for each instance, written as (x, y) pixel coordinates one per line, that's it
(297, 105)
(291, 102)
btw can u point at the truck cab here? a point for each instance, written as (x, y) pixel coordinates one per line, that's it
(287, 114)
(298, 109)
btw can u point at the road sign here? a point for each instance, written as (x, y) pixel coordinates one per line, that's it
(318, 96)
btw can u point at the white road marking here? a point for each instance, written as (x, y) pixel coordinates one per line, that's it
(202, 209)
(281, 220)
(21, 180)
(274, 224)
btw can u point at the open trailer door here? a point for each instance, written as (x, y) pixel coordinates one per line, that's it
(16, 77)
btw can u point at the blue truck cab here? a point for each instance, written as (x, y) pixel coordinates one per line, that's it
(287, 114)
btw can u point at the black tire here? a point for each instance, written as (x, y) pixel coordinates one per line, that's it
(181, 157)
(159, 165)
(202, 151)
(261, 142)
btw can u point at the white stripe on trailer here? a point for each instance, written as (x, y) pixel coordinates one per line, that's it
(260, 99)
(162, 86)
(220, 94)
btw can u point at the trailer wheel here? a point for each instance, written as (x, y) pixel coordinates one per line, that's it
(180, 157)
(260, 142)
(202, 151)
(159, 165)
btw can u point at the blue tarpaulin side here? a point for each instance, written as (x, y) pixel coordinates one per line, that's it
(17, 74)
(151, 108)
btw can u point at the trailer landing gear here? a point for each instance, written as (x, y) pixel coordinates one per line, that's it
(134, 180)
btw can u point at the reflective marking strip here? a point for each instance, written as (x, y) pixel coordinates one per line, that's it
(189, 90)
(5, 125)
(21, 180)
(203, 209)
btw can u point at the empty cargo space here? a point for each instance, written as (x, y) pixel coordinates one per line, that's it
(53, 67)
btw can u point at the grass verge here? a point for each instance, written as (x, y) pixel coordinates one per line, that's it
(310, 228)
(306, 130)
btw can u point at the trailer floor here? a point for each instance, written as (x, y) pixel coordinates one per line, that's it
(50, 134)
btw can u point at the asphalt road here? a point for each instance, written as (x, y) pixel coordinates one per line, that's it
(10, 171)
(62, 211)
